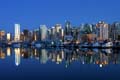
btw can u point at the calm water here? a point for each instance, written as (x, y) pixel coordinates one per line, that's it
(59, 64)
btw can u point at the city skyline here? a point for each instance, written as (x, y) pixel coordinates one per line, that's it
(101, 29)
(63, 25)
(100, 35)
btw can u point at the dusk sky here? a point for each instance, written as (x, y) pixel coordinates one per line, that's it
(31, 13)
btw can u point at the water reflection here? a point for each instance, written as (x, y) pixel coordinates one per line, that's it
(9, 51)
(100, 57)
(17, 56)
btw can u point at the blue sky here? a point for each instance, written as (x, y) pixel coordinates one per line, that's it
(31, 13)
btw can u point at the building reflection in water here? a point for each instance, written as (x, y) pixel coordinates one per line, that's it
(17, 56)
(100, 57)
(2, 53)
(9, 51)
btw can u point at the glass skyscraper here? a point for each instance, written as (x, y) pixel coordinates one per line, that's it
(17, 32)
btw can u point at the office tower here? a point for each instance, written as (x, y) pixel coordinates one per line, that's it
(36, 35)
(62, 34)
(82, 34)
(26, 34)
(52, 33)
(57, 28)
(2, 35)
(30, 35)
(8, 36)
(82, 28)
(22, 36)
(17, 32)
(67, 28)
(102, 31)
(43, 32)
(17, 56)
(49, 34)
(90, 31)
(75, 33)
(115, 31)
(87, 29)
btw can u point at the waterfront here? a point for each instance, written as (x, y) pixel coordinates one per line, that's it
(63, 64)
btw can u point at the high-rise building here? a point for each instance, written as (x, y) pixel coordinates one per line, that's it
(43, 32)
(8, 36)
(102, 31)
(62, 34)
(36, 35)
(22, 36)
(57, 28)
(26, 34)
(88, 32)
(52, 33)
(75, 33)
(115, 31)
(2, 34)
(49, 34)
(67, 27)
(17, 32)
(30, 35)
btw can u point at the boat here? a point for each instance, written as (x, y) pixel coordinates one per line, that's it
(107, 45)
(16, 45)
